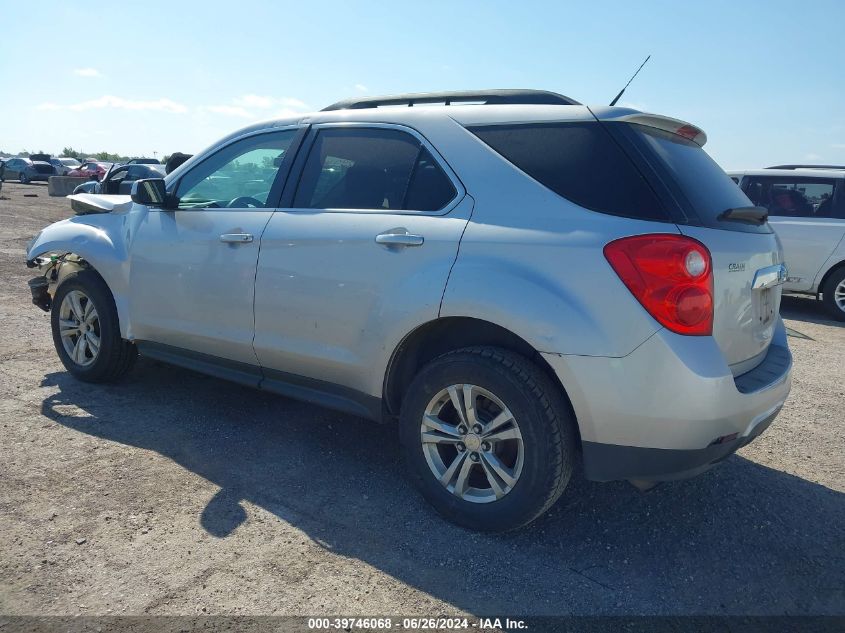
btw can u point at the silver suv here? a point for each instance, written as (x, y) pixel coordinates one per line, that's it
(511, 277)
(806, 207)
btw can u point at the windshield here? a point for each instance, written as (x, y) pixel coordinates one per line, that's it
(708, 190)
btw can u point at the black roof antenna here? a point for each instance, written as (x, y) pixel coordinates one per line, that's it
(621, 92)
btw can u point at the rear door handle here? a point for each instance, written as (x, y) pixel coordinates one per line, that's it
(236, 238)
(404, 238)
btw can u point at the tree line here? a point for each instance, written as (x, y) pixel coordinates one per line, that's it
(79, 155)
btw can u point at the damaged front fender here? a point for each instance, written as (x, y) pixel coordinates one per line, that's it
(100, 241)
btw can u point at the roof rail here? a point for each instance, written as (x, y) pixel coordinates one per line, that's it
(807, 167)
(488, 97)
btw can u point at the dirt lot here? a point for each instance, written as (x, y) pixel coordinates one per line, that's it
(174, 493)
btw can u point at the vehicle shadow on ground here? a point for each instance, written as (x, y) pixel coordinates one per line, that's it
(742, 539)
(807, 309)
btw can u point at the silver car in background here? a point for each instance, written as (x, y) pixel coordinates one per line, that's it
(509, 276)
(26, 170)
(64, 165)
(806, 206)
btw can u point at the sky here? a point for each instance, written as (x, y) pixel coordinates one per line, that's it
(764, 79)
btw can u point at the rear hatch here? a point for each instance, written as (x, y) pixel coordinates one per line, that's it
(43, 168)
(41, 163)
(746, 254)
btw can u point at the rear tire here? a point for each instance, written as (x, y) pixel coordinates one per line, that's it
(86, 332)
(533, 452)
(833, 294)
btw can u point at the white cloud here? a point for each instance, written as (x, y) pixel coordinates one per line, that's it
(260, 102)
(229, 111)
(285, 113)
(812, 156)
(838, 145)
(254, 101)
(246, 106)
(361, 88)
(110, 101)
(87, 72)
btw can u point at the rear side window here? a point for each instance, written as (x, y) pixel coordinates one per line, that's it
(579, 161)
(371, 168)
(430, 188)
(797, 197)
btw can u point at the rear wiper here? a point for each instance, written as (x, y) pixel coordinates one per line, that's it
(755, 215)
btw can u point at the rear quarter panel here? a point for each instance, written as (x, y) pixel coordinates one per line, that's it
(533, 262)
(809, 244)
(836, 258)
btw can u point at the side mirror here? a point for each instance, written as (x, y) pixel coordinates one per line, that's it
(150, 192)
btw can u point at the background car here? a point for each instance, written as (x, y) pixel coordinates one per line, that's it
(92, 170)
(143, 161)
(119, 179)
(64, 164)
(27, 170)
(806, 206)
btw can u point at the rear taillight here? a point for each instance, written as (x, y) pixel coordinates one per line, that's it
(671, 276)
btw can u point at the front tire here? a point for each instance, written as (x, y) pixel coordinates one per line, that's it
(86, 332)
(23, 178)
(833, 294)
(487, 438)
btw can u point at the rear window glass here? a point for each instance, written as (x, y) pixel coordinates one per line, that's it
(579, 161)
(709, 190)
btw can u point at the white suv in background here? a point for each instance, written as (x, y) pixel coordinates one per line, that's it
(806, 205)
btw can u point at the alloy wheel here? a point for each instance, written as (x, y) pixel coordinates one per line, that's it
(79, 328)
(839, 295)
(472, 443)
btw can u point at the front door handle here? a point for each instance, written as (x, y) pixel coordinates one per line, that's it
(236, 238)
(399, 237)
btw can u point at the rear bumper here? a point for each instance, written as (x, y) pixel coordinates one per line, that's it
(671, 408)
(608, 462)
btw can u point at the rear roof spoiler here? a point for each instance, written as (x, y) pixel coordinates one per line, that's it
(665, 123)
(668, 124)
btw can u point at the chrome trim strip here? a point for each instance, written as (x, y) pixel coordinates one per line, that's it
(769, 277)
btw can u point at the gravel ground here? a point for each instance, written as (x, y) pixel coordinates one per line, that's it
(174, 493)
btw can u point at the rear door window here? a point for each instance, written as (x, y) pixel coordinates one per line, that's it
(796, 196)
(579, 161)
(371, 168)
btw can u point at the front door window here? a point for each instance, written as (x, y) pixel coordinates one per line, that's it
(240, 175)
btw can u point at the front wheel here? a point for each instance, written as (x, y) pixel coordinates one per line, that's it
(86, 332)
(487, 438)
(833, 294)
(23, 178)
